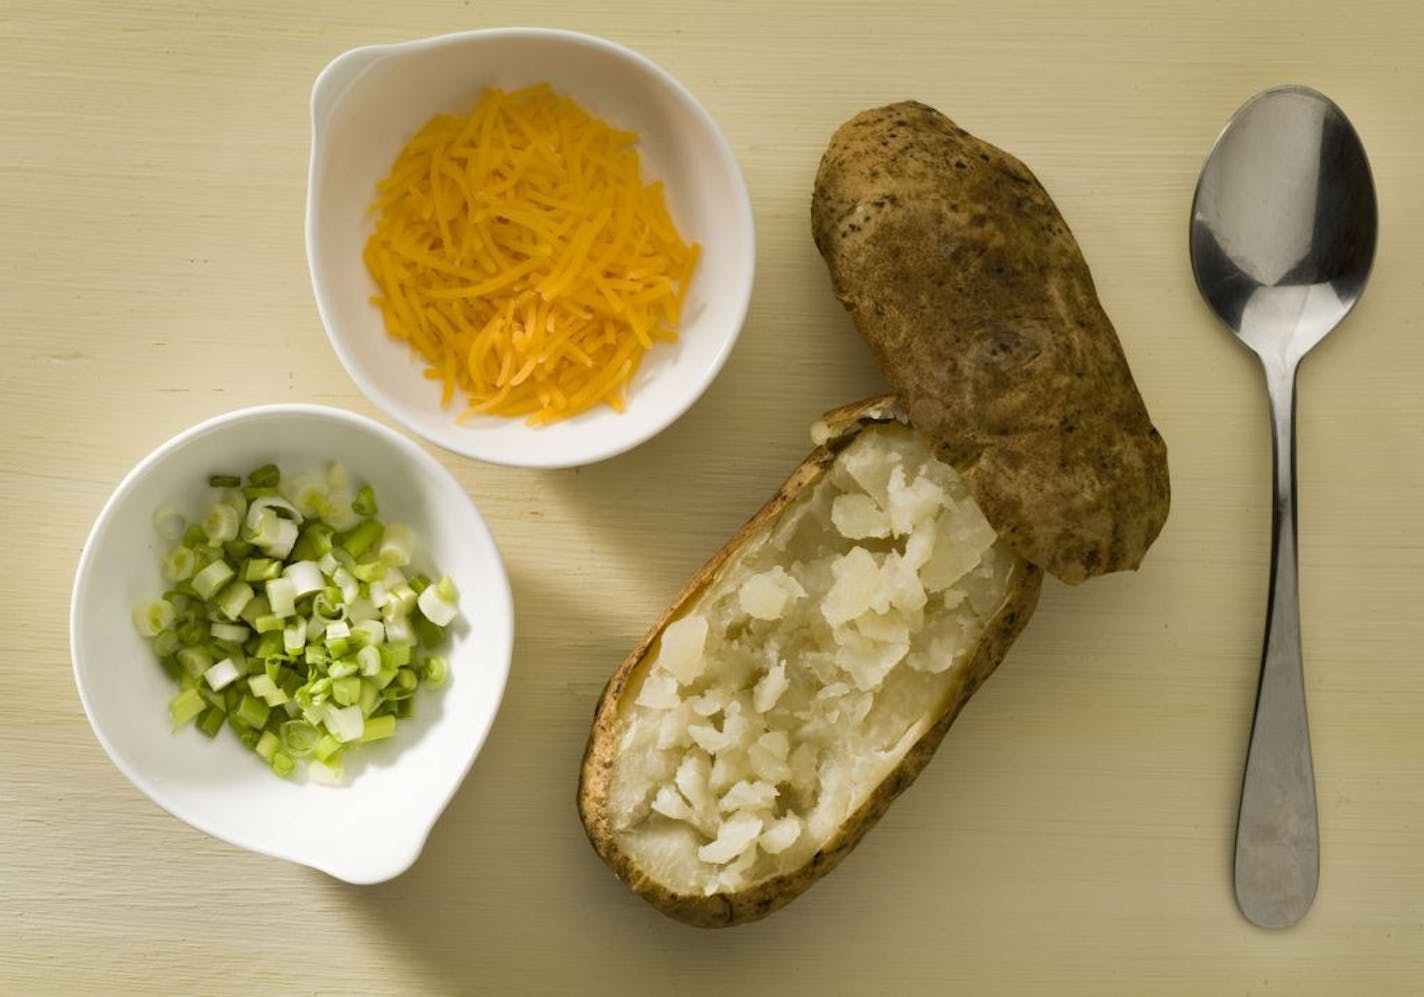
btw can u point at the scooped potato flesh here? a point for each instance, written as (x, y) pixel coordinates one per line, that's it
(822, 651)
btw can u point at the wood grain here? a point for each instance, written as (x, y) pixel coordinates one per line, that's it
(1074, 834)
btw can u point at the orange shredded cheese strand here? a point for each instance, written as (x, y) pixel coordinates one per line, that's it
(519, 253)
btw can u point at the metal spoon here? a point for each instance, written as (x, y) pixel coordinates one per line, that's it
(1282, 239)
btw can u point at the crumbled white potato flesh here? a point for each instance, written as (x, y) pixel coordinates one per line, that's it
(807, 669)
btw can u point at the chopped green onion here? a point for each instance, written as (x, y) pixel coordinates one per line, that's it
(294, 636)
(262, 685)
(299, 591)
(370, 697)
(153, 617)
(237, 549)
(245, 734)
(192, 633)
(343, 667)
(371, 632)
(229, 632)
(435, 669)
(267, 745)
(282, 594)
(369, 572)
(261, 569)
(394, 655)
(253, 712)
(314, 542)
(220, 524)
(361, 538)
(211, 721)
(178, 564)
(233, 599)
(299, 738)
(369, 659)
(397, 545)
(207, 582)
(185, 706)
(345, 723)
(346, 690)
(256, 608)
(360, 610)
(349, 585)
(305, 578)
(379, 728)
(326, 747)
(365, 502)
(268, 644)
(195, 661)
(171, 668)
(327, 773)
(223, 674)
(266, 476)
(435, 608)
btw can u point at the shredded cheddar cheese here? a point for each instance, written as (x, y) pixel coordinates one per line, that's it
(518, 251)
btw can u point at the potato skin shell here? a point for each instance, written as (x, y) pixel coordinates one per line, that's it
(964, 280)
(727, 909)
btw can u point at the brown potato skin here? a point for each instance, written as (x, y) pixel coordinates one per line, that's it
(965, 281)
(726, 909)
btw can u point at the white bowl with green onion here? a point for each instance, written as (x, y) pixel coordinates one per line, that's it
(291, 628)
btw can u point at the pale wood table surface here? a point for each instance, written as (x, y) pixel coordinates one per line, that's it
(1074, 834)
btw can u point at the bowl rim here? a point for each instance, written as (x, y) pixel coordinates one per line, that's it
(354, 62)
(86, 565)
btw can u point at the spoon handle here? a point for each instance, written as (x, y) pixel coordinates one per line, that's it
(1277, 834)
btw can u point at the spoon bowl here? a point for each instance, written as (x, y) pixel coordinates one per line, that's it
(1284, 224)
(1284, 221)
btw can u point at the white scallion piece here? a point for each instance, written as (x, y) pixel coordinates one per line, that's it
(373, 631)
(305, 577)
(153, 617)
(207, 582)
(347, 582)
(437, 609)
(285, 538)
(234, 633)
(282, 594)
(369, 660)
(222, 675)
(397, 545)
(259, 509)
(220, 524)
(294, 636)
(345, 723)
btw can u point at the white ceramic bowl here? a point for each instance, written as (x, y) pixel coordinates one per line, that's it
(374, 825)
(369, 102)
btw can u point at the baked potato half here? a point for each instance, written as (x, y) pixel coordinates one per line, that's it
(802, 679)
